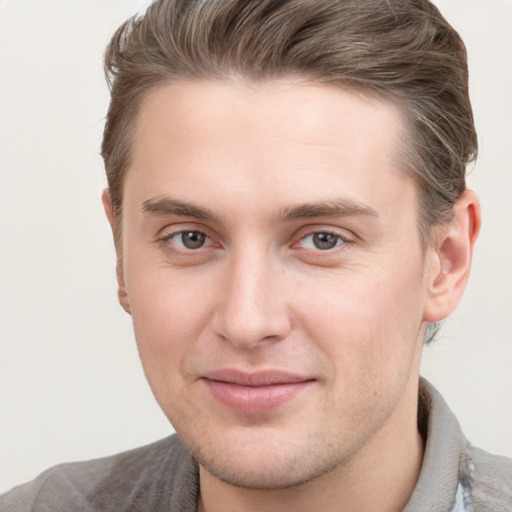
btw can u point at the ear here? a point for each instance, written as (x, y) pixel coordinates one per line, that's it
(451, 258)
(122, 294)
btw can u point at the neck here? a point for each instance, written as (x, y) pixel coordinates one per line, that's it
(381, 476)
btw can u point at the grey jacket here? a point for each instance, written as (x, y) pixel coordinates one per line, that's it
(163, 476)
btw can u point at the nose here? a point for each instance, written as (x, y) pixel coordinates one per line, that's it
(252, 308)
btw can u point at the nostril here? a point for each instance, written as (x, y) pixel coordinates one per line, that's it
(249, 331)
(251, 308)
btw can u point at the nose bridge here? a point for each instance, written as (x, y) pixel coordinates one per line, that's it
(252, 309)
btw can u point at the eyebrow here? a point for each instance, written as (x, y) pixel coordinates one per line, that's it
(334, 208)
(166, 206)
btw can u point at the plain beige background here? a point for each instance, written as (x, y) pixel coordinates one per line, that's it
(71, 386)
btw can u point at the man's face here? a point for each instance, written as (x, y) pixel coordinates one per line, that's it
(275, 275)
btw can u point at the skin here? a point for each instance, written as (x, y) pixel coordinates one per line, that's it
(243, 164)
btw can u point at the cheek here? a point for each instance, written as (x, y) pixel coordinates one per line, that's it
(366, 323)
(170, 311)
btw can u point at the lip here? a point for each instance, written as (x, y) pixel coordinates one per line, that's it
(257, 392)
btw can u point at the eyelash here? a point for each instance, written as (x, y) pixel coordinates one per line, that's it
(341, 240)
(166, 240)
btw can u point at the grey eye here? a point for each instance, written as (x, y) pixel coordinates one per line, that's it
(189, 239)
(322, 241)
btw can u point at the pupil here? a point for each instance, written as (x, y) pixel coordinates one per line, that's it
(193, 239)
(324, 240)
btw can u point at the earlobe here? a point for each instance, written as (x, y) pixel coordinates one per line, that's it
(452, 257)
(122, 293)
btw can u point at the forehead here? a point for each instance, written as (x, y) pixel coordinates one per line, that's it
(281, 141)
(307, 112)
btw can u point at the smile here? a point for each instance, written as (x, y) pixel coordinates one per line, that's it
(254, 393)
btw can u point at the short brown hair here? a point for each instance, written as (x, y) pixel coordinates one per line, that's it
(401, 50)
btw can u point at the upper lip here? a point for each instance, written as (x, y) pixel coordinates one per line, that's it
(259, 378)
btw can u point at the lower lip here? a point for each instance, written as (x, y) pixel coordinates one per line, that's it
(254, 399)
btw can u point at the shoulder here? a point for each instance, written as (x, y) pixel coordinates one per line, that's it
(152, 477)
(492, 481)
(455, 475)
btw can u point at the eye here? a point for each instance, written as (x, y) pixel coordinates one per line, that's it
(188, 240)
(322, 241)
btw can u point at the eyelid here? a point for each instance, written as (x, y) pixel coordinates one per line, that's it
(170, 230)
(340, 241)
(165, 235)
(306, 231)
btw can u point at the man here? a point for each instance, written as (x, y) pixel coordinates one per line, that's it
(291, 220)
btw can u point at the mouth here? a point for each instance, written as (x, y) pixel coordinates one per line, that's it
(254, 393)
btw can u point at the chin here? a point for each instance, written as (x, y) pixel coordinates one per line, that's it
(266, 463)
(265, 477)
